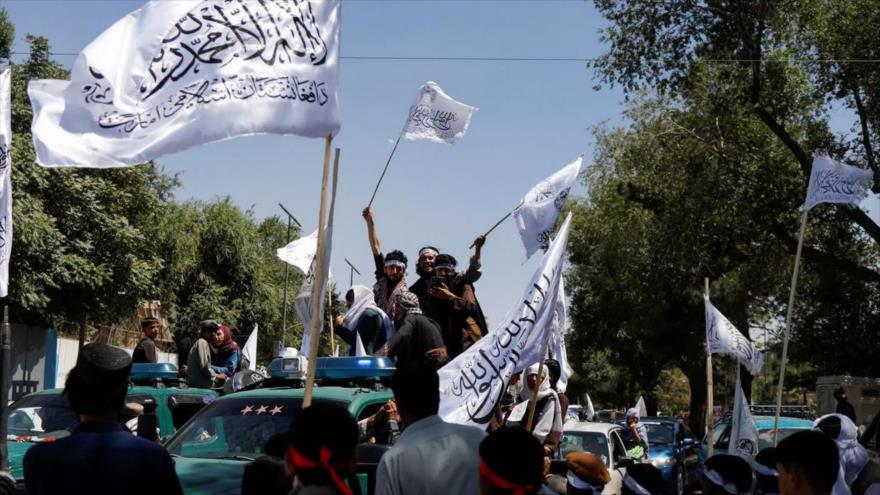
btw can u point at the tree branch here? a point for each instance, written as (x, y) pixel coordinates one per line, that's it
(866, 135)
(856, 270)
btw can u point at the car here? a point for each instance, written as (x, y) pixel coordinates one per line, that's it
(765, 424)
(674, 450)
(602, 440)
(45, 416)
(211, 451)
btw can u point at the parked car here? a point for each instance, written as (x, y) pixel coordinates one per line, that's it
(674, 450)
(603, 441)
(765, 424)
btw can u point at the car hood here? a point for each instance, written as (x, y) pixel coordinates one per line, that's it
(209, 476)
(661, 450)
(16, 452)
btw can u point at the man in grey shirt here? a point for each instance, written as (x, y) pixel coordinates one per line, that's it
(431, 456)
(198, 365)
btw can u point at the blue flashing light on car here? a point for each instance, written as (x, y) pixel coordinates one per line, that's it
(333, 368)
(153, 371)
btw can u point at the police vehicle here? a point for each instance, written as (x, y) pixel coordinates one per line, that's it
(46, 416)
(210, 452)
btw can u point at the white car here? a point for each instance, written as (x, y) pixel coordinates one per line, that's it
(602, 440)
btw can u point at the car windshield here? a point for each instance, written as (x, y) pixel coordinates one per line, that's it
(593, 442)
(236, 428)
(659, 433)
(40, 418)
(765, 437)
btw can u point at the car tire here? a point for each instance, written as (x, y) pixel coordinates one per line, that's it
(679, 482)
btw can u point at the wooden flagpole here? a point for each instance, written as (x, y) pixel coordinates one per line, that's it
(384, 170)
(710, 399)
(331, 323)
(499, 222)
(787, 334)
(315, 324)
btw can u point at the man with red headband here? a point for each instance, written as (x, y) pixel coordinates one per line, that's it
(321, 456)
(511, 463)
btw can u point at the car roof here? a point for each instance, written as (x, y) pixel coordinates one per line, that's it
(767, 422)
(351, 395)
(587, 427)
(140, 389)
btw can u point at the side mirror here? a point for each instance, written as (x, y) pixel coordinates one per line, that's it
(689, 442)
(625, 462)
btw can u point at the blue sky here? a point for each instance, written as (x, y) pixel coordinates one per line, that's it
(533, 118)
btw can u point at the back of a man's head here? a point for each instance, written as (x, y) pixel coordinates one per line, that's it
(808, 464)
(266, 476)
(98, 383)
(511, 461)
(321, 443)
(416, 391)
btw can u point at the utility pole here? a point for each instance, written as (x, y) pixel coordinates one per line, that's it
(351, 272)
(290, 218)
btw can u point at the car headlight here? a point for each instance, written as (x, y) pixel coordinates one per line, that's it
(662, 461)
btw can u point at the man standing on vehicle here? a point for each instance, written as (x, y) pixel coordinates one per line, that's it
(199, 373)
(145, 351)
(99, 457)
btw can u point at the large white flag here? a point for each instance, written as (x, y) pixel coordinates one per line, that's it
(835, 182)
(473, 382)
(303, 301)
(437, 117)
(249, 351)
(536, 216)
(557, 338)
(5, 179)
(743, 431)
(172, 75)
(300, 252)
(723, 338)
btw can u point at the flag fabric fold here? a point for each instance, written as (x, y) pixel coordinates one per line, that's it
(249, 351)
(723, 338)
(172, 75)
(303, 301)
(835, 182)
(743, 431)
(5, 178)
(437, 117)
(536, 216)
(300, 252)
(560, 328)
(473, 382)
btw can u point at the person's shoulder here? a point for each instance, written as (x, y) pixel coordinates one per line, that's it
(469, 432)
(44, 450)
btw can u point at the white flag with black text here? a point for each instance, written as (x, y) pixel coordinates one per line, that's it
(723, 338)
(536, 216)
(437, 117)
(173, 75)
(835, 182)
(473, 382)
(5, 178)
(557, 339)
(743, 431)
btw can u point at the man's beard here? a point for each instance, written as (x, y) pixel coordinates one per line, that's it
(424, 273)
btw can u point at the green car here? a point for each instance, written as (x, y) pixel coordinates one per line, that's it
(212, 449)
(46, 416)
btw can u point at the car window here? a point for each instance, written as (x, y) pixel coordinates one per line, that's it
(722, 433)
(236, 427)
(595, 443)
(659, 433)
(41, 417)
(185, 406)
(765, 437)
(370, 410)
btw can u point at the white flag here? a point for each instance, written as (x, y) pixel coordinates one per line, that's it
(300, 252)
(172, 75)
(723, 338)
(5, 179)
(536, 216)
(303, 302)
(359, 349)
(835, 182)
(591, 411)
(249, 351)
(473, 382)
(642, 407)
(437, 117)
(743, 431)
(560, 328)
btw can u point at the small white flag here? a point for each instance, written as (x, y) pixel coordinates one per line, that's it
(300, 252)
(743, 431)
(5, 179)
(249, 351)
(591, 411)
(473, 382)
(536, 216)
(723, 338)
(642, 407)
(835, 182)
(359, 349)
(173, 75)
(437, 117)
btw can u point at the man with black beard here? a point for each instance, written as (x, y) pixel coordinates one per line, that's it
(425, 270)
(454, 306)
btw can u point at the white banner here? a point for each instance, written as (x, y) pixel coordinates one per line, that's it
(743, 431)
(249, 351)
(303, 301)
(642, 407)
(835, 182)
(536, 216)
(557, 338)
(723, 338)
(172, 75)
(300, 252)
(5, 179)
(473, 382)
(437, 117)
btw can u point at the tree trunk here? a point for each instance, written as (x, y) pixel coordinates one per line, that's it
(696, 376)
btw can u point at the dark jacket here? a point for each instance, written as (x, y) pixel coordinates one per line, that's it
(847, 409)
(371, 328)
(461, 321)
(416, 335)
(145, 352)
(100, 458)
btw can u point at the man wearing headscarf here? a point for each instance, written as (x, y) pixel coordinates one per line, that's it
(425, 270)
(635, 436)
(726, 474)
(511, 463)
(390, 270)
(225, 354)
(547, 423)
(321, 450)
(417, 340)
(765, 472)
(363, 319)
(99, 457)
(858, 475)
(453, 305)
(555, 372)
